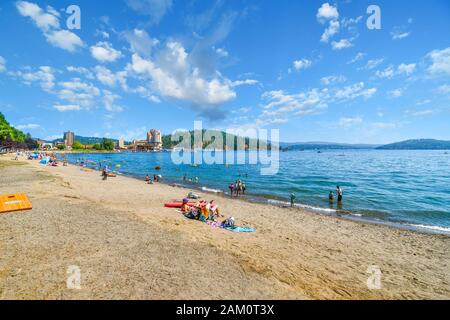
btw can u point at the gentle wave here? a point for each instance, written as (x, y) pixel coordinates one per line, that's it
(299, 205)
(435, 228)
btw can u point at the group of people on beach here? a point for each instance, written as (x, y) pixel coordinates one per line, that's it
(237, 188)
(201, 210)
(156, 178)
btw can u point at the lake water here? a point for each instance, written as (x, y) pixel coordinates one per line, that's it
(411, 188)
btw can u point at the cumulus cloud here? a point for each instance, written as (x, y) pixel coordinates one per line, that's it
(173, 75)
(109, 99)
(280, 106)
(45, 76)
(140, 42)
(341, 44)
(104, 52)
(155, 9)
(391, 71)
(77, 92)
(440, 61)
(329, 32)
(326, 12)
(302, 64)
(64, 39)
(43, 20)
(48, 22)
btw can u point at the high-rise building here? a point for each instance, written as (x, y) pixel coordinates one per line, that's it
(69, 138)
(121, 143)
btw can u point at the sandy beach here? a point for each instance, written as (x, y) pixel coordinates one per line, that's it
(128, 246)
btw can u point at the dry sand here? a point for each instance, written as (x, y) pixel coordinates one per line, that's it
(128, 246)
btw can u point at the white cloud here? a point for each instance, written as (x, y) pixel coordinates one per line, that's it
(281, 106)
(249, 82)
(2, 64)
(354, 91)
(329, 32)
(81, 70)
(67, 107)
(444, 89)
(64, 39)
(388, 73)
(332, 80)
(48, 23)
(173, 75)
(29, 126)
(440, 61)
(107, 77)
(391, 71)
(45, 76)
(422, 113)
(140, 42)
(341, 44)
(398, 35)
(397, 93)
(359, 56)
(155, 9)
(109, 99)
(326, 12)
(43, 20)
(406, 68)
(302, 64)
(350, 121)
(77, 92)
(222, 53)
(104, 52)
(373, 63)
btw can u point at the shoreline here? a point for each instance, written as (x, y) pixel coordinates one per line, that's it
(283, 204)
(129, 246)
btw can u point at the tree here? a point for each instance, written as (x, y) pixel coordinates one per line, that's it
(97, 146)
(77, 145)
(107, 144)
(61, 146)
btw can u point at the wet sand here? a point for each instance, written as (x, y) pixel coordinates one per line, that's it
(128, 246)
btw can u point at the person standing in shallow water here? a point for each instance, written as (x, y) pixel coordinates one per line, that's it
(339, 193)
(293, 197)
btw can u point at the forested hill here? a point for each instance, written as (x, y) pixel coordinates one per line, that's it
(419, 144)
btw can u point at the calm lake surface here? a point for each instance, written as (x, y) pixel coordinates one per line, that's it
(411, 188)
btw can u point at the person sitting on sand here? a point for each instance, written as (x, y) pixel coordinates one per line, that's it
(147, 179)
(214, 210)
(105, 172)
(184, 206)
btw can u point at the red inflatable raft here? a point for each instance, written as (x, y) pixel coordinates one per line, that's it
(176, 204)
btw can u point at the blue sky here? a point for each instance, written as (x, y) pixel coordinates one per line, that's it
(311, 69)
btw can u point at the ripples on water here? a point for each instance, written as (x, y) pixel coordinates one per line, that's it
(411, 187)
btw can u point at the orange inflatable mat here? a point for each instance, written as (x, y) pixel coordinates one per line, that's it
(14, 202)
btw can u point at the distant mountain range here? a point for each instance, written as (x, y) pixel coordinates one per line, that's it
(419, 144)
(324, 146)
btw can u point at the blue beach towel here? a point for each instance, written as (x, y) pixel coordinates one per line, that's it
(240, 229)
